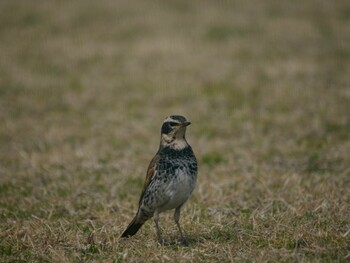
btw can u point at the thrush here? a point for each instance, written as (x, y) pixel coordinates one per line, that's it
(170, 179)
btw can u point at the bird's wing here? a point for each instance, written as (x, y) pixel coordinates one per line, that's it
(151, 171)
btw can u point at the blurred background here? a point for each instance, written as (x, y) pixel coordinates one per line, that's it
(85, 86)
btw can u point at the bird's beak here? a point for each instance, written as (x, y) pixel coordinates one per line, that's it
(186, 123)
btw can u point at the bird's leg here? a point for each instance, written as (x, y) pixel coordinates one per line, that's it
(177, 221)
(156, 221)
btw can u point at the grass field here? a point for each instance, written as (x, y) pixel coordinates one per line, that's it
(85, 86)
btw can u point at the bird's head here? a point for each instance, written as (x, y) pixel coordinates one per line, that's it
(173, 132)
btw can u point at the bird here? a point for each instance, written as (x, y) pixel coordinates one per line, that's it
(170, 179)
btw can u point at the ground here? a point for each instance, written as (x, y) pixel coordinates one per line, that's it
(85, 86)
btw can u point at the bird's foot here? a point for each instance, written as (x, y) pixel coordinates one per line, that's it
(184, 242)
(162, 241)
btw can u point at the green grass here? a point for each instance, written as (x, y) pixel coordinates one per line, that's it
(85, 86)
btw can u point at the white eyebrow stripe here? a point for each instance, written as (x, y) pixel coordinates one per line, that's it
(169, 119)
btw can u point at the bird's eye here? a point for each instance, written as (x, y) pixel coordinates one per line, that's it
(173, 123)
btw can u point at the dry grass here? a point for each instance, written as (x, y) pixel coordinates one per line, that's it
(85, 85)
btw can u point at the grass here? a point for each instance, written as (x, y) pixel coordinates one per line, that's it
(84, 87)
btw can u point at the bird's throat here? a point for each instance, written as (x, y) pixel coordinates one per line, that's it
(173, 142)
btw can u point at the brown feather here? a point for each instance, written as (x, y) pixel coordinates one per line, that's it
(136, 223)
(150, 174)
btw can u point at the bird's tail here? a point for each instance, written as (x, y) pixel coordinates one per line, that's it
(133, 227)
